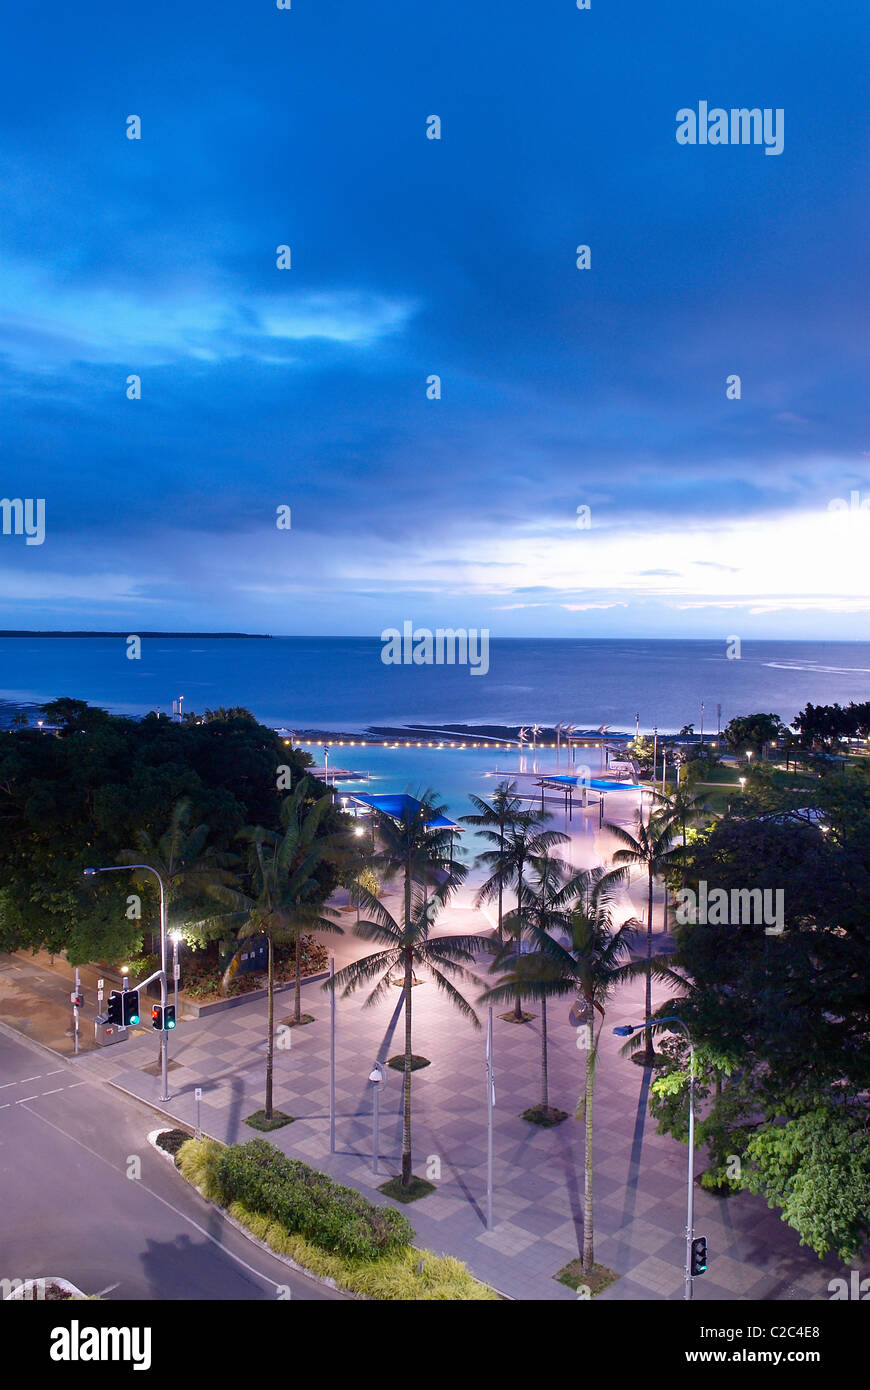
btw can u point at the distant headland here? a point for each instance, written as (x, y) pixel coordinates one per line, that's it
(141, 632)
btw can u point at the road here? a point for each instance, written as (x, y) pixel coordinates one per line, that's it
(70, 1209)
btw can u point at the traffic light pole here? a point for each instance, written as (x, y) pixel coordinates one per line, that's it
(158, 974)
(690, 1199)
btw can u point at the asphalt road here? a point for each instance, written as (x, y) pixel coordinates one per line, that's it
(69, 1208)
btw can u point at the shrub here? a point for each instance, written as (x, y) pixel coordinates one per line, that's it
(302, 1200)
(392, 1277)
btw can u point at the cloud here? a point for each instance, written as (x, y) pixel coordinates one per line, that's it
(47, 323)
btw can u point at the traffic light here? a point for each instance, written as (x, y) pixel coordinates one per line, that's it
(130, 1007)
(156, 1016)
(699, 1255)
(169, 1016)
(115, 1014)
(162, 1016)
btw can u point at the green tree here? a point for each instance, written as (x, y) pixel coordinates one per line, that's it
(650, 847)
(524, 841)
(592, 965)
(753, 731)
(492, 820)
(414, 845)
(816, 1169)
(405, 948)
(284, 896)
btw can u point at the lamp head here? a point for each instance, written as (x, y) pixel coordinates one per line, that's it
(625, 1031)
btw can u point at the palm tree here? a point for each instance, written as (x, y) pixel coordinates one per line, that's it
(188, 866)
(546, 893)
(524, 841)
(284, 896)
(650, 846)
(406, 947)
(493, 817)
(599, 962)
(421, 850)
(683, 808)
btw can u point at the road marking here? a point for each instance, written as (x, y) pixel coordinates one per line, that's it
(6, 1106)
(108, 1289)
(76, 1083)
(55, 1092)
(24, 1080)
(24, 1098)
(57, 1072)
(7, 1084)
(190, 1221)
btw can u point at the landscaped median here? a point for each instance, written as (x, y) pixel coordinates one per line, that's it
(332, 1231)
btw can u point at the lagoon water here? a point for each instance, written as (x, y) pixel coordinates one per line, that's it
(340, 683)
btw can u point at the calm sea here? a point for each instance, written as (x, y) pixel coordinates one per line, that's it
(341, 683)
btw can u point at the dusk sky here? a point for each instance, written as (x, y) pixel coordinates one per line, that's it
(561, 388)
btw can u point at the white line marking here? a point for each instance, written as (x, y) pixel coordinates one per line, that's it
(108, 1289)
(7, 1084)
(56, 1072)
(55, 1092)
(24, 1098)
(120, 1172)
(24, 1080)
(76, 1083)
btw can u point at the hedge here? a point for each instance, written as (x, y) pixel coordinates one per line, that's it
(393, 1277)
(303, 1200)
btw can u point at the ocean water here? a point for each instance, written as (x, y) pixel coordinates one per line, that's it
(342, 684)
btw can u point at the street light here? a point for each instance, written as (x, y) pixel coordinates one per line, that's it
(626, 1032)
(158, 974)
(176, 938)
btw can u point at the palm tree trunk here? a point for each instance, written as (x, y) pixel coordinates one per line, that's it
(500, 911)
(406, 1117)
(518, 1007)
(545, 1080)
(270, 1045)
(588, 1219)
(648, 1049)
(297, 1010)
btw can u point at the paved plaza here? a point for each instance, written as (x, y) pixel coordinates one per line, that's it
(640, 1177)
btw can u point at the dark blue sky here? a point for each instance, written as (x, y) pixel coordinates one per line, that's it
(561, 388)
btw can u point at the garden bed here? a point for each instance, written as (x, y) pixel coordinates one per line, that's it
(338, 1221)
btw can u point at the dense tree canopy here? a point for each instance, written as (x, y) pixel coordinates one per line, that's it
(79, 799)
(782, 1021)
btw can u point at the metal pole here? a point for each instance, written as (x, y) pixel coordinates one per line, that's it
(690, 1200)
(164, 993)
(175, 972)
(702, 721)
(490, 1103)
(76, 1012)
(375, 1144)
(655, 755)
(197, 1097)
(332, 1058)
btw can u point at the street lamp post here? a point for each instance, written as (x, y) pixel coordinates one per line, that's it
(158, 974)
(378, 1077)
(625, 1032)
